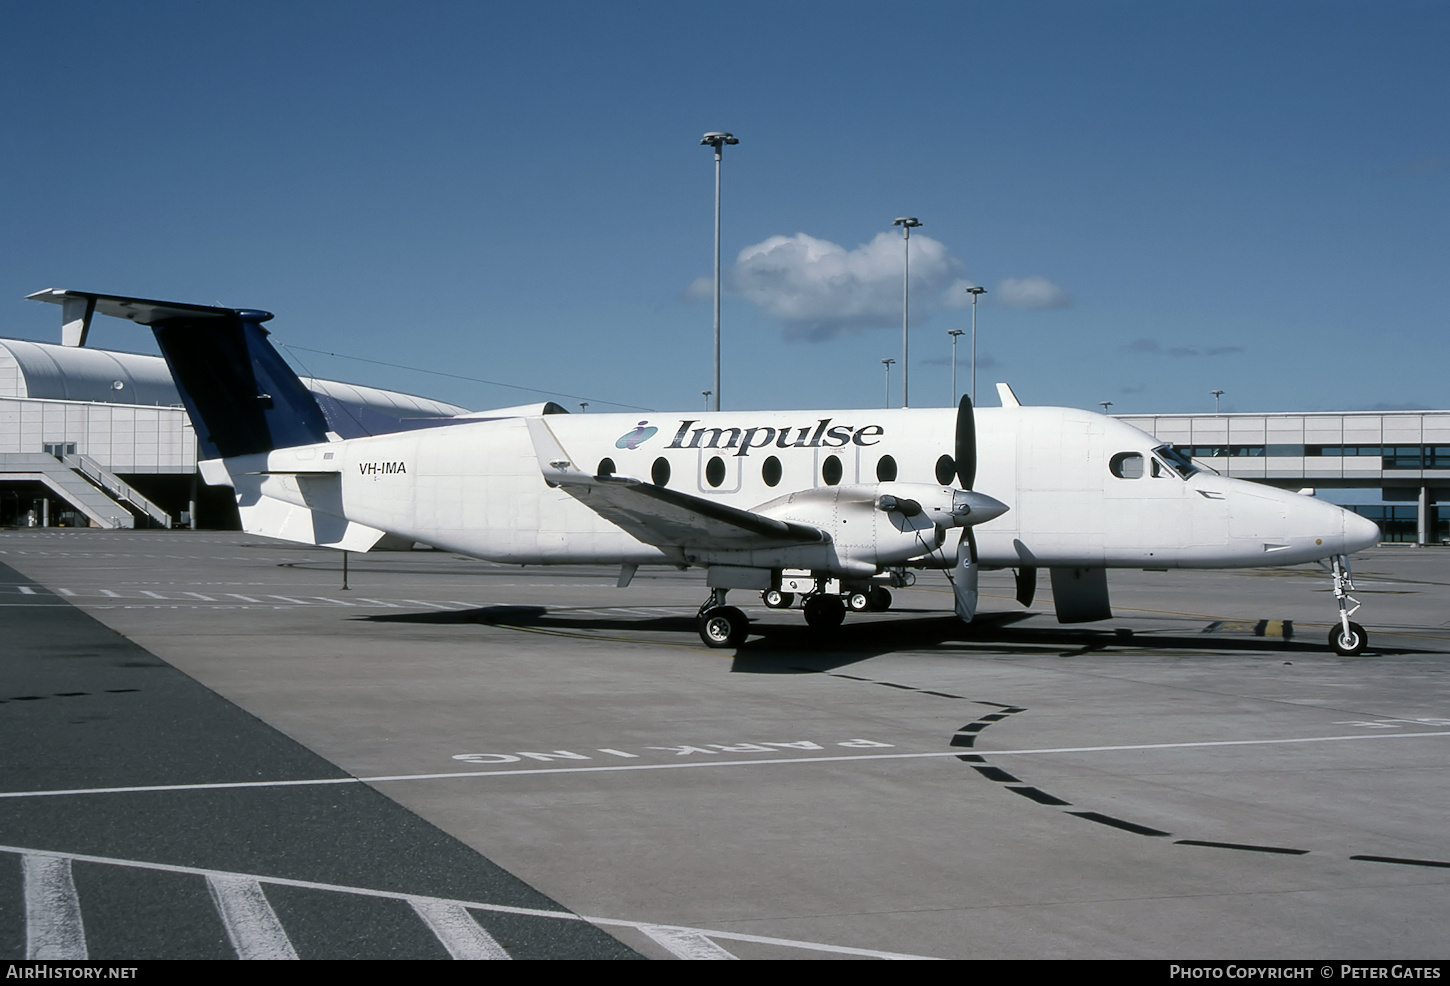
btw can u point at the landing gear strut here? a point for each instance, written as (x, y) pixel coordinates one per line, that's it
(721, 625)
(1347, 638)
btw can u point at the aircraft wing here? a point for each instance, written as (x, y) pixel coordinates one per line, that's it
(660, 516)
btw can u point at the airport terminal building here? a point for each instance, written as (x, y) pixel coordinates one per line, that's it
(100, 438)
(90, 437)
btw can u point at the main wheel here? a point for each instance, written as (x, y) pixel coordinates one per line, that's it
(859, 602)
(1348, 644)
(825, 612)
(880, 598)
(775, 599)
(724, 626)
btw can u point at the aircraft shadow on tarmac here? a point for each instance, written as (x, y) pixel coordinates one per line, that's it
(793, 648)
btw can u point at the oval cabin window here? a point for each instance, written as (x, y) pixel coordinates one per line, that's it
(831, 470)
(715, 471)
(770, 471)
(886, 469)
(659, 473)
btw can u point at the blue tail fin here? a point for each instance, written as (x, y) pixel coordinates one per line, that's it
(241, 395)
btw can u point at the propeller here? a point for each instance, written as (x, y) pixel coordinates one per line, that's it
(964, 576)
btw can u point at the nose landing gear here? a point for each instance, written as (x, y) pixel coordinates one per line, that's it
(1346, 638)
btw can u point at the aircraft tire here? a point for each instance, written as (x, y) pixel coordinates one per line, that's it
(775, 599)
(825, 612)
(880, 598)
(724, 626)
(859, 602)
(1348, 645)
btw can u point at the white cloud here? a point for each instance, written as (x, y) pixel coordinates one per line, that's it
(1035, 292)
(819, 289)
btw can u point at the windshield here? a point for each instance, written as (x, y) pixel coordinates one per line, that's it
(1176, 460)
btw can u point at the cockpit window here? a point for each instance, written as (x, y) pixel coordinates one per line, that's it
(1127, 465)
(1176, 460)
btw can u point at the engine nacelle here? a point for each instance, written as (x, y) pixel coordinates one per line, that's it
(884, 524)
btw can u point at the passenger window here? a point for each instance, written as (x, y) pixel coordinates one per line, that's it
(1127, 465)
(715, 471)
(831, 470)
(606, 468)
(660, 472)
(770, 471)
(886, 469)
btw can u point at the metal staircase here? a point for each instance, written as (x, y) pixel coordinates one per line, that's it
(80, 481)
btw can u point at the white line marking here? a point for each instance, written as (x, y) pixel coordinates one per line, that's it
(108, 592)
(335, 602)
(65, 592)
(457, 930)
(53, 928)
(245, 599)
(198, 595)
(289, 599)
(153, 595)
(251, 923)
(25, 590)
(606, 768)
(420, 602)
(469, 904)
(685, 943)
(379, 602)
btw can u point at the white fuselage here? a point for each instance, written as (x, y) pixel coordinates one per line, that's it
(1084, 490)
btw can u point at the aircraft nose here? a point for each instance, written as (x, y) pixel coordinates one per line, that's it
(1359, 533)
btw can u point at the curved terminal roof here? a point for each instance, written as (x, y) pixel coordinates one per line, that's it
(67, 373)
(42, 371)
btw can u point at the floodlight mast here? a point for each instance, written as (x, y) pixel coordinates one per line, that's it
(887, 363)
(976, 292)
(907, 224)
(717, 139)
(954, 333)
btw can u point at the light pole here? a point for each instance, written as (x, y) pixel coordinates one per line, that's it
(976, 293)
(1106, 405)
(717, 139)
(1216, 395)
(887, 363)
(706, 395)
(583, 407)
(907, 224)
(954, 333)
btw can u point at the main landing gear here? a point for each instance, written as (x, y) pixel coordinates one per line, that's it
(1345, 637)
(727, 626)
(721, 625)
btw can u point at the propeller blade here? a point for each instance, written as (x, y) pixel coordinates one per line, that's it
(964, 577)
(966, 447)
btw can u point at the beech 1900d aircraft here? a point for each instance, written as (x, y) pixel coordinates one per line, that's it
(840, 504)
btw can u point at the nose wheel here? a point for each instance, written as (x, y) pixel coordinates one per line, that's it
(1346, 638)
(1348, 641)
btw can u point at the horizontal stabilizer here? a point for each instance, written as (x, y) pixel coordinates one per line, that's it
(240, 394)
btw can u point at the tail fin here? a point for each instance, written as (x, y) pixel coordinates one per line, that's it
(241, 395)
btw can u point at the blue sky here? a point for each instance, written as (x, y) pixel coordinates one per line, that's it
(1161, 199)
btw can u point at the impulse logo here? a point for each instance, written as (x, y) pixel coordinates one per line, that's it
(635, 438)
(822, 435)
